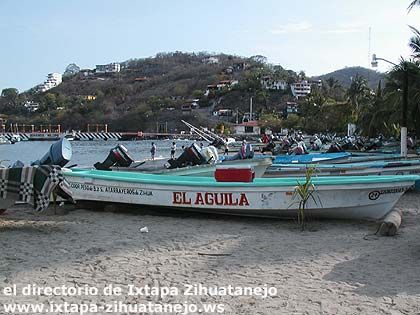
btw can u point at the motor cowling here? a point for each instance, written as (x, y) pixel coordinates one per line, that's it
(118, 156)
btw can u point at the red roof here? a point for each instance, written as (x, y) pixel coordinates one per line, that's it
(252, 123)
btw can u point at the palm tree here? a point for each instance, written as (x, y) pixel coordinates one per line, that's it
(408, 70)
(358, 93)
(413, 4)
(414, 42)
(332, 82)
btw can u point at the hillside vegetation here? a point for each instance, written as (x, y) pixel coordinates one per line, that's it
(154, 94)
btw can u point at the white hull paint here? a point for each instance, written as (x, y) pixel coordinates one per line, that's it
(354, 201)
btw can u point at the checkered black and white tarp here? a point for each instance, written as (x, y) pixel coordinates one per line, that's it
(33, 185)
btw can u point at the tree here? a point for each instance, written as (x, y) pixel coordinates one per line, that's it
(293, 121)
(413, 4)
(414, 42)
(259, 59)
(407, 71)
(358, 93)
(270, 121)
(10, 96)
(302, 75)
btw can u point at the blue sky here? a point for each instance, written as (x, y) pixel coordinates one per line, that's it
(317, 37)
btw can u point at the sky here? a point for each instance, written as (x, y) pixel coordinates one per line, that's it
(40, 37)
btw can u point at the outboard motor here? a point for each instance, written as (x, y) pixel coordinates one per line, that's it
(191, 156)
(269, 147)
(118, 156)
(334, 147)
(210, 154)
(218, 143)
(59, 154)
(410, 143)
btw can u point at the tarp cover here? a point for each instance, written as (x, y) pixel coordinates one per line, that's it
(33, 185)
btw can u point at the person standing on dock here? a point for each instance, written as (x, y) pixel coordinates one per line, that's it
(173, 150)
(153, 150)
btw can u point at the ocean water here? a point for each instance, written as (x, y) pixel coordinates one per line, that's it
(86, 153)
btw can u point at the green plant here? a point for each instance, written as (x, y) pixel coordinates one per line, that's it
(304, 191)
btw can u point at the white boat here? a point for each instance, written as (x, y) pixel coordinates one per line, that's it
(365, 197)
(3, 140)
(15, 138)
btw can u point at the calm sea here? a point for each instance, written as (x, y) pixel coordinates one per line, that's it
(86, 153)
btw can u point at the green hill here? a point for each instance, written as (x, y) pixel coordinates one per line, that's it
(162, 90)
(345, 75)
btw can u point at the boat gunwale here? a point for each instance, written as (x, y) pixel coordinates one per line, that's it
(134, 177)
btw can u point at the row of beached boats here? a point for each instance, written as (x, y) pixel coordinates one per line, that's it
(235, 187)
(246, 183)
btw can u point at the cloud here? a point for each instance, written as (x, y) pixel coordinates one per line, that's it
(345, 29)
(298, 27)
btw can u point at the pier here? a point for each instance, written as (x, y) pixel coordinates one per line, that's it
(95, 136)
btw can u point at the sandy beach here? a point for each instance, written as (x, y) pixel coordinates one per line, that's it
(333, 267)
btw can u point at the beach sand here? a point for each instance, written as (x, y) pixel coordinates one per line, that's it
(334, 267)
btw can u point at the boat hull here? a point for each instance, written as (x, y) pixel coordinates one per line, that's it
(353, 200)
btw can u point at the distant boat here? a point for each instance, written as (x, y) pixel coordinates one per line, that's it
(15, 138)
(44, 136)
(3, 140)
(368, 197)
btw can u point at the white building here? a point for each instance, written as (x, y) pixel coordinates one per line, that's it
(53, 79)
(109, 68)
(303, 88)
(247, 128)
(224, 84)
(211, 60)
(270, 84)
(31, 106)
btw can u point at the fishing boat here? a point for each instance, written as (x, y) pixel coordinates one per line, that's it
(353, 197)
(401, 167)
(310, 158)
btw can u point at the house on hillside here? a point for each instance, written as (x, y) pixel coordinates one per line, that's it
(53, 80)
(224, 84)
(189, 106)
(247, 128)
(303, 88)
(228, 70)
(241, 66)
(89, 97)
(85, 73)
(109, 68)
(269, 83)
(291, 108)
(223, 114)
(31, 106)
(211, 60)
